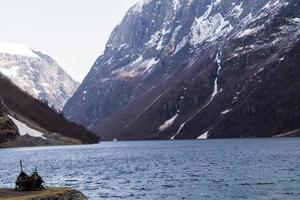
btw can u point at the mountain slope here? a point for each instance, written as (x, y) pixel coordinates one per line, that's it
(36, 73)
(195, 69)
(22, 115)
(8, 130)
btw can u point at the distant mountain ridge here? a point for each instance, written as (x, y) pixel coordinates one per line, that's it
(187, 69)
(36, 73)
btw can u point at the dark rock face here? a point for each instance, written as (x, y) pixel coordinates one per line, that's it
(186, 68)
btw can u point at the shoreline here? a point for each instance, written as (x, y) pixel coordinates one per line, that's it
(291, 134)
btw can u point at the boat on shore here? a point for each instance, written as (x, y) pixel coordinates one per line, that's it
(25, 182)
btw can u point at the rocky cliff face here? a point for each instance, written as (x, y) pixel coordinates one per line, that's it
(195, 69)
(36, 73)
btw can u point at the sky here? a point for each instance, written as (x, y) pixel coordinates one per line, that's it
(73, 32)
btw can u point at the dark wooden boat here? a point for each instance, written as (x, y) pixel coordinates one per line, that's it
(29, 183)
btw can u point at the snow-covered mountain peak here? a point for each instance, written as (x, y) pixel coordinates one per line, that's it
(17, 49)
(37, 74)
(137, 8)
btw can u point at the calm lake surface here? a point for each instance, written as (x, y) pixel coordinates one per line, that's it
(211, 169)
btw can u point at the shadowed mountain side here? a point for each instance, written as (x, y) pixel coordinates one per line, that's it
(19, 102)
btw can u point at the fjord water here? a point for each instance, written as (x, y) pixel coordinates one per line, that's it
(210, 169)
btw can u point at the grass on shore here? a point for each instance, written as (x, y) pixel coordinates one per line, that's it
(9, 194)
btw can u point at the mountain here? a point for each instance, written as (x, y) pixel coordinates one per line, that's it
(36, 73)
(187, 69)
(26, 121)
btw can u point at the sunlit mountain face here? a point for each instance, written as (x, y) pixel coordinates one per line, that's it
(37, 74)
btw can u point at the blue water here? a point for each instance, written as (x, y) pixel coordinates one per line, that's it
(212, 169)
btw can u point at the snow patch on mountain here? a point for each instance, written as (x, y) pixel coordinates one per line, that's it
(250, 31)
(167, 123)
(295, 20)
(17, 49)
(138, 7)
(154, 39)
(208, 29)
(176, 5)
(10, 72)
(204, 136)
(25, 130)
(271, 4)
(181, 44)
(225, 112)
(237, 10)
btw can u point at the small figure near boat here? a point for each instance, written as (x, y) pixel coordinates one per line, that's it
(29, 183)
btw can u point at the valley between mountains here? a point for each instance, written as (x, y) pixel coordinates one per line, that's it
(171, 69)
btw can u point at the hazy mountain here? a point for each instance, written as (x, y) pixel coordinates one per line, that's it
(196, 69)
(37, 74)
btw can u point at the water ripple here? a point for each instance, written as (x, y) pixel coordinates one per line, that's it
(214, 169)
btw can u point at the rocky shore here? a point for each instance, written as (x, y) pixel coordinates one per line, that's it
(49, 194)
